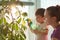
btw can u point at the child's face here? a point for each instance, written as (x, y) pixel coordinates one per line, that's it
(40, 19)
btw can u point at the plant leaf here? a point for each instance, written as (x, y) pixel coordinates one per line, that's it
(4, 20)
(19, 20)
(15, 26)
(1, 20)
(23, 35)
(24, 14)
(23, 27)
(8, 17)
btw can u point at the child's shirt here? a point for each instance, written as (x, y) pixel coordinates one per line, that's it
(41, 27)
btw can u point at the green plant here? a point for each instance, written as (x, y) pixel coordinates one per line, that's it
(12, 28)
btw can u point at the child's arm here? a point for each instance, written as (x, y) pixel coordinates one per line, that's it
(43, 31)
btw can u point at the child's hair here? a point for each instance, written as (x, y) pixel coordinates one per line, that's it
(40, 12)
(54, 11)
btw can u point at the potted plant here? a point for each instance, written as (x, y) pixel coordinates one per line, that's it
(12, 28)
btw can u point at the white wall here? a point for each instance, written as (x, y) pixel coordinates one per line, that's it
(47, 3)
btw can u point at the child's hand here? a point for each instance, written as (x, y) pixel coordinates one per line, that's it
(28, 21)
(44, 31)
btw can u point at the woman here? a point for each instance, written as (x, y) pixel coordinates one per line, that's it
(52, 15)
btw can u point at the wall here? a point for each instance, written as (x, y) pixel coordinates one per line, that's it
(47, 3)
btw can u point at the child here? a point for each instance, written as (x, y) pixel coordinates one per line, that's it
(41, 31)
(52, 14)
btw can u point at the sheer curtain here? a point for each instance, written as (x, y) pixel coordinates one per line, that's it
(31, 14)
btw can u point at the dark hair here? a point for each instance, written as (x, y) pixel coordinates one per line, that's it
(54, 11)
(40, 12)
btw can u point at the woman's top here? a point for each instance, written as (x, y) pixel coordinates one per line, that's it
(56, 33)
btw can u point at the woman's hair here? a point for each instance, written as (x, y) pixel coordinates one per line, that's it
(54, 11)
(40, 12)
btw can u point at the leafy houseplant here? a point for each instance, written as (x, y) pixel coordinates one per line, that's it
(12, 28)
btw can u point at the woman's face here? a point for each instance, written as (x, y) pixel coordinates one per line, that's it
(48, 19)
(39, 19)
